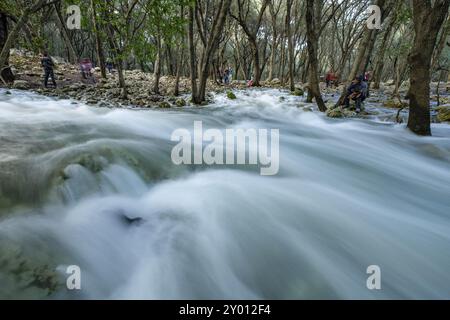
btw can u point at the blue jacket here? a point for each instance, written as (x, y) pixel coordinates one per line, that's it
(359, 87)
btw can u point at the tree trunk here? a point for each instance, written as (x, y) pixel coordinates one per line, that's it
(290, 45)
(427, 23)
(256, 66)
(378, 70)
(4, 55)
(118, 61)
(157, 71)
(441, 45)
(98, 41)
(209, 51)
(312, 43)
(363, 55)
(177, 79)
(73, 58)
(252, 36)
(192, 63)
(6, 74)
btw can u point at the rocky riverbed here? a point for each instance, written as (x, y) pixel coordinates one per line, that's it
(106, 92)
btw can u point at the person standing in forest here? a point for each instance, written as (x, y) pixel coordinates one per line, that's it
(109, 66)
(329, 78)
(48, 65)
(226, 76)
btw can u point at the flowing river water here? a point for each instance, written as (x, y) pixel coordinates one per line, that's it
(96, 188)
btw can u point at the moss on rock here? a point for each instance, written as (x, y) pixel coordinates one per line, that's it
(334, 113)
(180, 102)
(231, 95)
(164, 105)
(394, 104)
(298, 92)
(443, 113)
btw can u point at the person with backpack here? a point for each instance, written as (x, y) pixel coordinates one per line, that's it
(48, 66)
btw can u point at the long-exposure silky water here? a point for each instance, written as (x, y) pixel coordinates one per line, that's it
(96, 188)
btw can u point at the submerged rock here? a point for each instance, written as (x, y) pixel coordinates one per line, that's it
(231, 95)
(27, 274)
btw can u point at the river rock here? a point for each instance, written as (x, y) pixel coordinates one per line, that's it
(298, 92)
(180, 102)
(231, 95)
(91, 101)
(164, 105)
(394, 104)
(335, 113)
(275, 81)
(443, 113)
(21, 84)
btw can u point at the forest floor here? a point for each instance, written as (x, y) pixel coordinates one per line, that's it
(106, 93)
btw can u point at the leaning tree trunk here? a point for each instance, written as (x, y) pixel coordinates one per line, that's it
(12, 36)
(65, 35)
(6, 74)
(211, 47)
(252, 35)
(378, 70)
(363, 56)
(312, 43)
(427, 23)
(441, 45)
